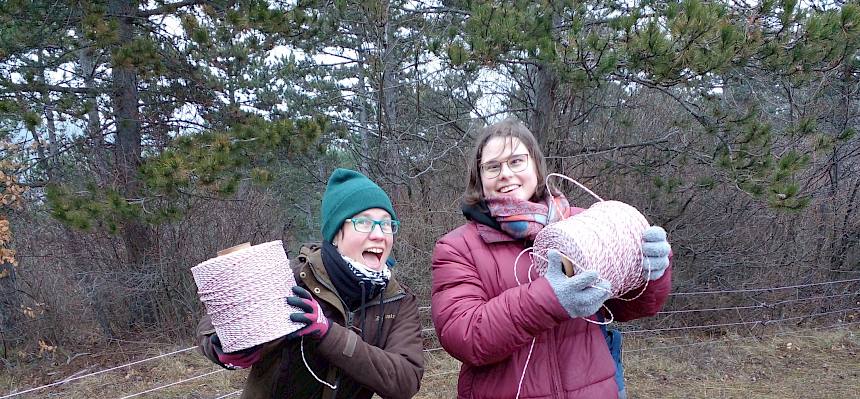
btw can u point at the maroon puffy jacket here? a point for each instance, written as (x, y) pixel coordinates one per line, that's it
(486, 321)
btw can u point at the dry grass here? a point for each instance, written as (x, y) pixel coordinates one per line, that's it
(817, 364)
(822, 364)
(800, 364)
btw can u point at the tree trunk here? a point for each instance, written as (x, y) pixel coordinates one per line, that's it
(94, 126)
(53, 145)
(364, 124)
(128, 135)
(544, 119)
(137, 236)
(9, 307)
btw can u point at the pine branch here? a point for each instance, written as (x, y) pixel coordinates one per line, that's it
(172, 7)
(40, 87)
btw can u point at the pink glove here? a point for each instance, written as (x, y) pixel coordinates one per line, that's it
(236, 360)
(311, 314)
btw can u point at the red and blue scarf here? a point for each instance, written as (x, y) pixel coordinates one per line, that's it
(524, 219)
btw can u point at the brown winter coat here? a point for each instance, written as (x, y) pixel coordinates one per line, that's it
(386, 359)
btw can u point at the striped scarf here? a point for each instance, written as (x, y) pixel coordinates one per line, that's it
(362, 272)
(524, 219)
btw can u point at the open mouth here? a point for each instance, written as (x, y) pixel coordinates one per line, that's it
(372, 257)
(507, 189)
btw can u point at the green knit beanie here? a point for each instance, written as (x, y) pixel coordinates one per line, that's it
(347, 194)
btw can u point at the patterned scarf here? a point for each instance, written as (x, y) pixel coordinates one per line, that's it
(355, 283)
(361, 271)
(524, 219)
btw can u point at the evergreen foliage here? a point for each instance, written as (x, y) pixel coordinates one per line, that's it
(695, 52)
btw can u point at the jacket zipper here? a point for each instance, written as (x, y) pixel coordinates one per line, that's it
(386, 300)
(556, 370)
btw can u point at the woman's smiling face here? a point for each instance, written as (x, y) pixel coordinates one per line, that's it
(505, 150)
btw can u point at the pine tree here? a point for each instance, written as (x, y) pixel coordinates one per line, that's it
(130, 105)
(691, 51)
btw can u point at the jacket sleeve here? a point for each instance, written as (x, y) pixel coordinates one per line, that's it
(479, 330)
(647, 304)
(204, 344)
(393, 371)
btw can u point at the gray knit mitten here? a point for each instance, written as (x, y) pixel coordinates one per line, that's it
(656, 251)
(581, 295)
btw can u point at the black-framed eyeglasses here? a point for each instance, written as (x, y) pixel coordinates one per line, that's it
(516, 163)
(366, 225)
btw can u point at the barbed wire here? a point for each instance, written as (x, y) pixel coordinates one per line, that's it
(740, 323)
(792, 333)
(761, 305)
(735, 291)
(229, 394)
(731, 291)
(441, 374)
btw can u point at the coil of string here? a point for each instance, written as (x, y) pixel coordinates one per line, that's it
(245, 295)
(606, 237)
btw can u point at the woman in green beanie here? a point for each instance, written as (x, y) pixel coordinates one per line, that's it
(362, 335)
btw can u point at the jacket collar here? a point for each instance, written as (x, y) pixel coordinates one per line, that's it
(488, 228)
(491, 235)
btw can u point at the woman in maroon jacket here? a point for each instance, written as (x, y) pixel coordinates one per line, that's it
(526, 340)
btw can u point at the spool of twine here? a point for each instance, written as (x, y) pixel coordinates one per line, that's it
(244, 291)
(606, 238)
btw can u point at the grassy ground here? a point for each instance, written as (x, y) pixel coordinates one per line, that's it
(798, 364)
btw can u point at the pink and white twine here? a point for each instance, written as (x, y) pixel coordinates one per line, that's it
(606, 238)
(245, 295)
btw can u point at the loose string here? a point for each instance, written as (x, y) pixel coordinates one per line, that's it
(599, 228)
(523, 375)
(302, 349)
(534, 339)
(546, 183)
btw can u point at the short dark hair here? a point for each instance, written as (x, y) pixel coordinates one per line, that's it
(510, 128)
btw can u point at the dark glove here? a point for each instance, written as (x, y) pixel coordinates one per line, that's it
(655, 251)
(581, 295)
(316, 324)
(235, 360)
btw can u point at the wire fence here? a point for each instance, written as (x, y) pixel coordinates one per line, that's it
(633, 331)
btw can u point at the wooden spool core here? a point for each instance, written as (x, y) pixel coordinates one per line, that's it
(234, 249)
(567, 265)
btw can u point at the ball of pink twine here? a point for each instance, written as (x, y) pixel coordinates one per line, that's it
(606, 238)
(245, 295)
